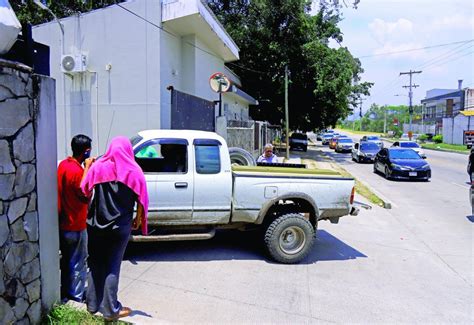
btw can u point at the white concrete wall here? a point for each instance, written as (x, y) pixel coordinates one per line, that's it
(453, 128)
(46, 160)
(102, 103)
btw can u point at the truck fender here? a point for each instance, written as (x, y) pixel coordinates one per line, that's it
(288, 196)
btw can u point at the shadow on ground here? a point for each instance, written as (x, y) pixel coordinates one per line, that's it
(236, 245)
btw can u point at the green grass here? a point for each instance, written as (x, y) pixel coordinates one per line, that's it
(66, 315)
(446, 147)
(359, 132)
(360, 188)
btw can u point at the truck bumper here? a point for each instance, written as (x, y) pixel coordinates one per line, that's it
(354, 211)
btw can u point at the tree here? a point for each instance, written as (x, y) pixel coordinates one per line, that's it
(273, 33)
(28, 13)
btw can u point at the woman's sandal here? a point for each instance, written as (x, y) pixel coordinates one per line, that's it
(124, 312)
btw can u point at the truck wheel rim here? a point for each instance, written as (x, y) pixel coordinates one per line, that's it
(292, 240)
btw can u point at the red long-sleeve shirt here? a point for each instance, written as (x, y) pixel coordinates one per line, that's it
(72, 203)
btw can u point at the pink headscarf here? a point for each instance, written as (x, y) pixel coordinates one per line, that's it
(118, 164)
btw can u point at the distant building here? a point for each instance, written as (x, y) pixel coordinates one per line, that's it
(440, 104)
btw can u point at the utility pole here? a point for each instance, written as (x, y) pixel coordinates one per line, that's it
(360, 114)
(410, 94)
(385, 119)
(287, 118)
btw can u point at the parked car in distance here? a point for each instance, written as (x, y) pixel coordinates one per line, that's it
(332, 142)
(365, 151)
(373, 138)
(326, 138)
(299, 140)
(411, 145)
(401, 163)
(344, 144)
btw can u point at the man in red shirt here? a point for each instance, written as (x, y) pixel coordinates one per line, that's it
(72, 209)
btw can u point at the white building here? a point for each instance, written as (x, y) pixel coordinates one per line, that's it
(133, 52)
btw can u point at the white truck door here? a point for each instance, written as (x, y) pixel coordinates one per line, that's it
(169, 176)
(212, 182)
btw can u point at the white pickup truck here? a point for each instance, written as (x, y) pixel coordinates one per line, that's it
(194, 190)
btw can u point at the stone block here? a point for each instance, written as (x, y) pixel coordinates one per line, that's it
(6, 186)
(16, 209)
(18, 231)
(34, 290)
(31, 203)
(13, 260)
(15, 114)
(4, 230)
(24, 144)
(1, 207)
(20, 308)
(18, 255)
(6, 312)
(14, 83)
(2, 283)
(6, 165)
(13, 290)
(23, 321)
(30, 221)
(34, 312)
(25, 179)
(5, 93)
(30, 271)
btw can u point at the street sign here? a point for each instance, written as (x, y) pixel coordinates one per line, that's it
(219, 82)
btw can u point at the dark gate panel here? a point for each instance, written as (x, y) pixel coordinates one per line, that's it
(191, 112)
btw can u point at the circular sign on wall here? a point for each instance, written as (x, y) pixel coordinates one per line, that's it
(219, 82)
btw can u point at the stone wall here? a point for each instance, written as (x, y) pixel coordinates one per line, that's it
(20, 270)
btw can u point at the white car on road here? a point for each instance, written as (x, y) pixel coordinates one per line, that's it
(411, 145)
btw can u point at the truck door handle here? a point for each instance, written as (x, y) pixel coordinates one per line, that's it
(181, 185)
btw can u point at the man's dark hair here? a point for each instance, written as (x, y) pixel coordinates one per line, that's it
(79, 144)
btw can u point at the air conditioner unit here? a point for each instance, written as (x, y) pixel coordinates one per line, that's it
(73, 63)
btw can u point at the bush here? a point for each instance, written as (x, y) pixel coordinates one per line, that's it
(422, 138)
(438, 138)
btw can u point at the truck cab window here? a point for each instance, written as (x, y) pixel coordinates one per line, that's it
(162, 158)
(207, 159)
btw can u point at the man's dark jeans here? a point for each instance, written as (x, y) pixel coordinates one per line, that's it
(73, 245)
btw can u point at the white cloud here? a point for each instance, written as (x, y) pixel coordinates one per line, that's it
(456, 21)
(385, 31)
(405, 50)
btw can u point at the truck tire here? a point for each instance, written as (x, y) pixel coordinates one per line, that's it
(241, 157)
(289, 238)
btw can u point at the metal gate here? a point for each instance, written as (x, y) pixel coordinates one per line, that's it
(191, 113)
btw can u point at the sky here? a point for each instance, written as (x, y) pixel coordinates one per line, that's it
(379, 27)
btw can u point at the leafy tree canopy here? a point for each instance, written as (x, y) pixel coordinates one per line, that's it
(324, 83)
(28, 12)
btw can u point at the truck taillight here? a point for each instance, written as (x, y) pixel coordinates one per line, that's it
(352, 195)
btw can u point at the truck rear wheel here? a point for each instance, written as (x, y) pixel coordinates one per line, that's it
(289, 238)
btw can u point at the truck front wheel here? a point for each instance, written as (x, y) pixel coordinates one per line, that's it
(289, 238)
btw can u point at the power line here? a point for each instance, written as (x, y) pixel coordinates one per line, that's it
(415, 49)
(438, 61)
(452, 60)
(456, 49)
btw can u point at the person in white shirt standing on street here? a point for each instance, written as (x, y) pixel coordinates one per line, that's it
(268, 156)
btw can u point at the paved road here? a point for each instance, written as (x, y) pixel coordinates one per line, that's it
(411, 264)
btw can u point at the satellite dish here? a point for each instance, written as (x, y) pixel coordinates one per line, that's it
(219, 82)
(68, 63)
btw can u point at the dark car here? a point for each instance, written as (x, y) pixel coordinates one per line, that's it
(299, 140)
(400, 163)
(365, 151)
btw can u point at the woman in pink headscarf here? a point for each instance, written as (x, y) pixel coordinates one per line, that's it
(117, 183)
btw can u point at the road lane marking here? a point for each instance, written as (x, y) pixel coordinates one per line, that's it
(463, 186)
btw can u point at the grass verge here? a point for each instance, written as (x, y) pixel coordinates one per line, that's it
(66, 314)
(446, 147)
(360, 188)
(358, 132)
